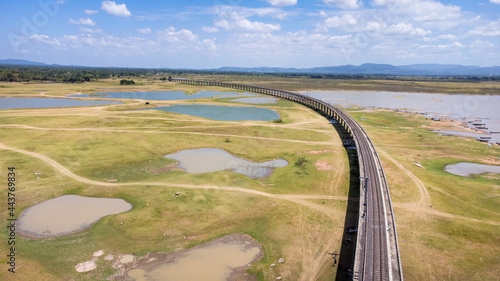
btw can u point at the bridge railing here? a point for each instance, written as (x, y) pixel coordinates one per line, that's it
(352, 126)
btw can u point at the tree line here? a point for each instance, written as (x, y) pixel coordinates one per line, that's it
(68, 74)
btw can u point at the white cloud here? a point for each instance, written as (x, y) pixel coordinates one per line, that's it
(282, 3)
(479, 46)
(443, 48)
(90, 12)
(210, 29)
(112, 8)
(171, 35)
(447, 37)
(495, 1)
(209, 44)
(45, 39)
(236, 21)
(421, 10)
(90, 30)
(344, 4)
(225, 11)
(492, 29)
(84, 21)
(374, 26)
(144, 30)
(345, 20)
(406, 29)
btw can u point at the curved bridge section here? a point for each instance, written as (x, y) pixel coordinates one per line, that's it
(377, 251)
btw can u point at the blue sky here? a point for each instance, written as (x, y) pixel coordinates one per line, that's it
(274, 33)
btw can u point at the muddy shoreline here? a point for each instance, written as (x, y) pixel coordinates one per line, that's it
(152, 261)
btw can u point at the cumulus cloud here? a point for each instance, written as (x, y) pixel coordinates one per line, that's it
(406, 29)
(210, 29)
(492, 29)
(90, 30)
(346, 19)
(144, 30)
(84, 21)
(90, 12)
(421, 10)
(344, 4)
(45, 39)
(112, 8)
(282, 3)
(236, 21)
(225, 10)
(173, 36)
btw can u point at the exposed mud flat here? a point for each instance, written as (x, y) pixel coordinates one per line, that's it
(67, 214)
(226, 258)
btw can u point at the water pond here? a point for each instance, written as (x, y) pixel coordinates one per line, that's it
(222, 259)
(163, 95)
(468, 169)
(67, 214)
(12, 103)
(207, 160)
(222, 113)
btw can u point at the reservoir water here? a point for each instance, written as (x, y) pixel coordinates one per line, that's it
(222, 113)
(67, 214)
(480, 111)
(11, 103)
(206, 160)
(163, 95)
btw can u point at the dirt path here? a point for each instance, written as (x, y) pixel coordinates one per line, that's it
(425, 199)
(301, 199)
(161, 132)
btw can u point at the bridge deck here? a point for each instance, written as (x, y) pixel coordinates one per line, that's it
(377, 251)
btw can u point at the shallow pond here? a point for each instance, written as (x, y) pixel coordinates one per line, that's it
(222, 113)
(215, 260)
(11, 103)
(476, 109)
(67, 214)
(163, 95)
(206, 160)
(256, 100)
(467, 169)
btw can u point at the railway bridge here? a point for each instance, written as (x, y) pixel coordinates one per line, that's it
(377, 251)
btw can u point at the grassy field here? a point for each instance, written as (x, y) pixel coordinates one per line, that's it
(119, 153)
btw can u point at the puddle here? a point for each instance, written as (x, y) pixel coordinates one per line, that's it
(222, 113)
(256, 100)
(67, 214)
(206, 160)
(467, 169)
(163, 95)
(222, 259)
(12, 103)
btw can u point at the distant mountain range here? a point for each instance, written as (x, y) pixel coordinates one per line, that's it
(367, 68)
(380, 69)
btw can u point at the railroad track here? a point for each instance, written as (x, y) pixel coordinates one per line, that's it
(377, 251)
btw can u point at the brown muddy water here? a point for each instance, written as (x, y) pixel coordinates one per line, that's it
(207, 160)
(226, 258)
(67, 214)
